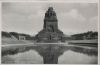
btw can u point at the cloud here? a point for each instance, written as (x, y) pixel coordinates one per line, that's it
(72, 17)
(74, 13)
(74, 22)
(93, 23)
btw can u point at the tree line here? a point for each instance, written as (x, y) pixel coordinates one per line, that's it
(86, 35)
(79, 36)
(16, 35)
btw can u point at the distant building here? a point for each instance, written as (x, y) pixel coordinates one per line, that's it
(20, 37)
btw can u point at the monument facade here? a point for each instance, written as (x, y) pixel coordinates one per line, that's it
(50, 32)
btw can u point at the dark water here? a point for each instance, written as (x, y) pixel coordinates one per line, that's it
(50, 54)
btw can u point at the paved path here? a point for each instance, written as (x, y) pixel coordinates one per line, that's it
(8, 45)
(42, 44)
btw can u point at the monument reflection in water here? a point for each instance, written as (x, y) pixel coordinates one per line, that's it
(47, 44)
(50, 54)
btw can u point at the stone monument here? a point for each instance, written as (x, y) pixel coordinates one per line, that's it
(50, 32)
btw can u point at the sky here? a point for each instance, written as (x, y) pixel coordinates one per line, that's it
(27, 17)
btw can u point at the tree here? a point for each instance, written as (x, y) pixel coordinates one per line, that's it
(14, 34)
(5, 34)
(86, 35)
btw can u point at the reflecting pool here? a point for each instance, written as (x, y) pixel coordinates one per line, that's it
(50, 54)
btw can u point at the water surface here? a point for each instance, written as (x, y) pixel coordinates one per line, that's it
(52, 55)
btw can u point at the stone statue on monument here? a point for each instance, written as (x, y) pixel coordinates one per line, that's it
(50, 12)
